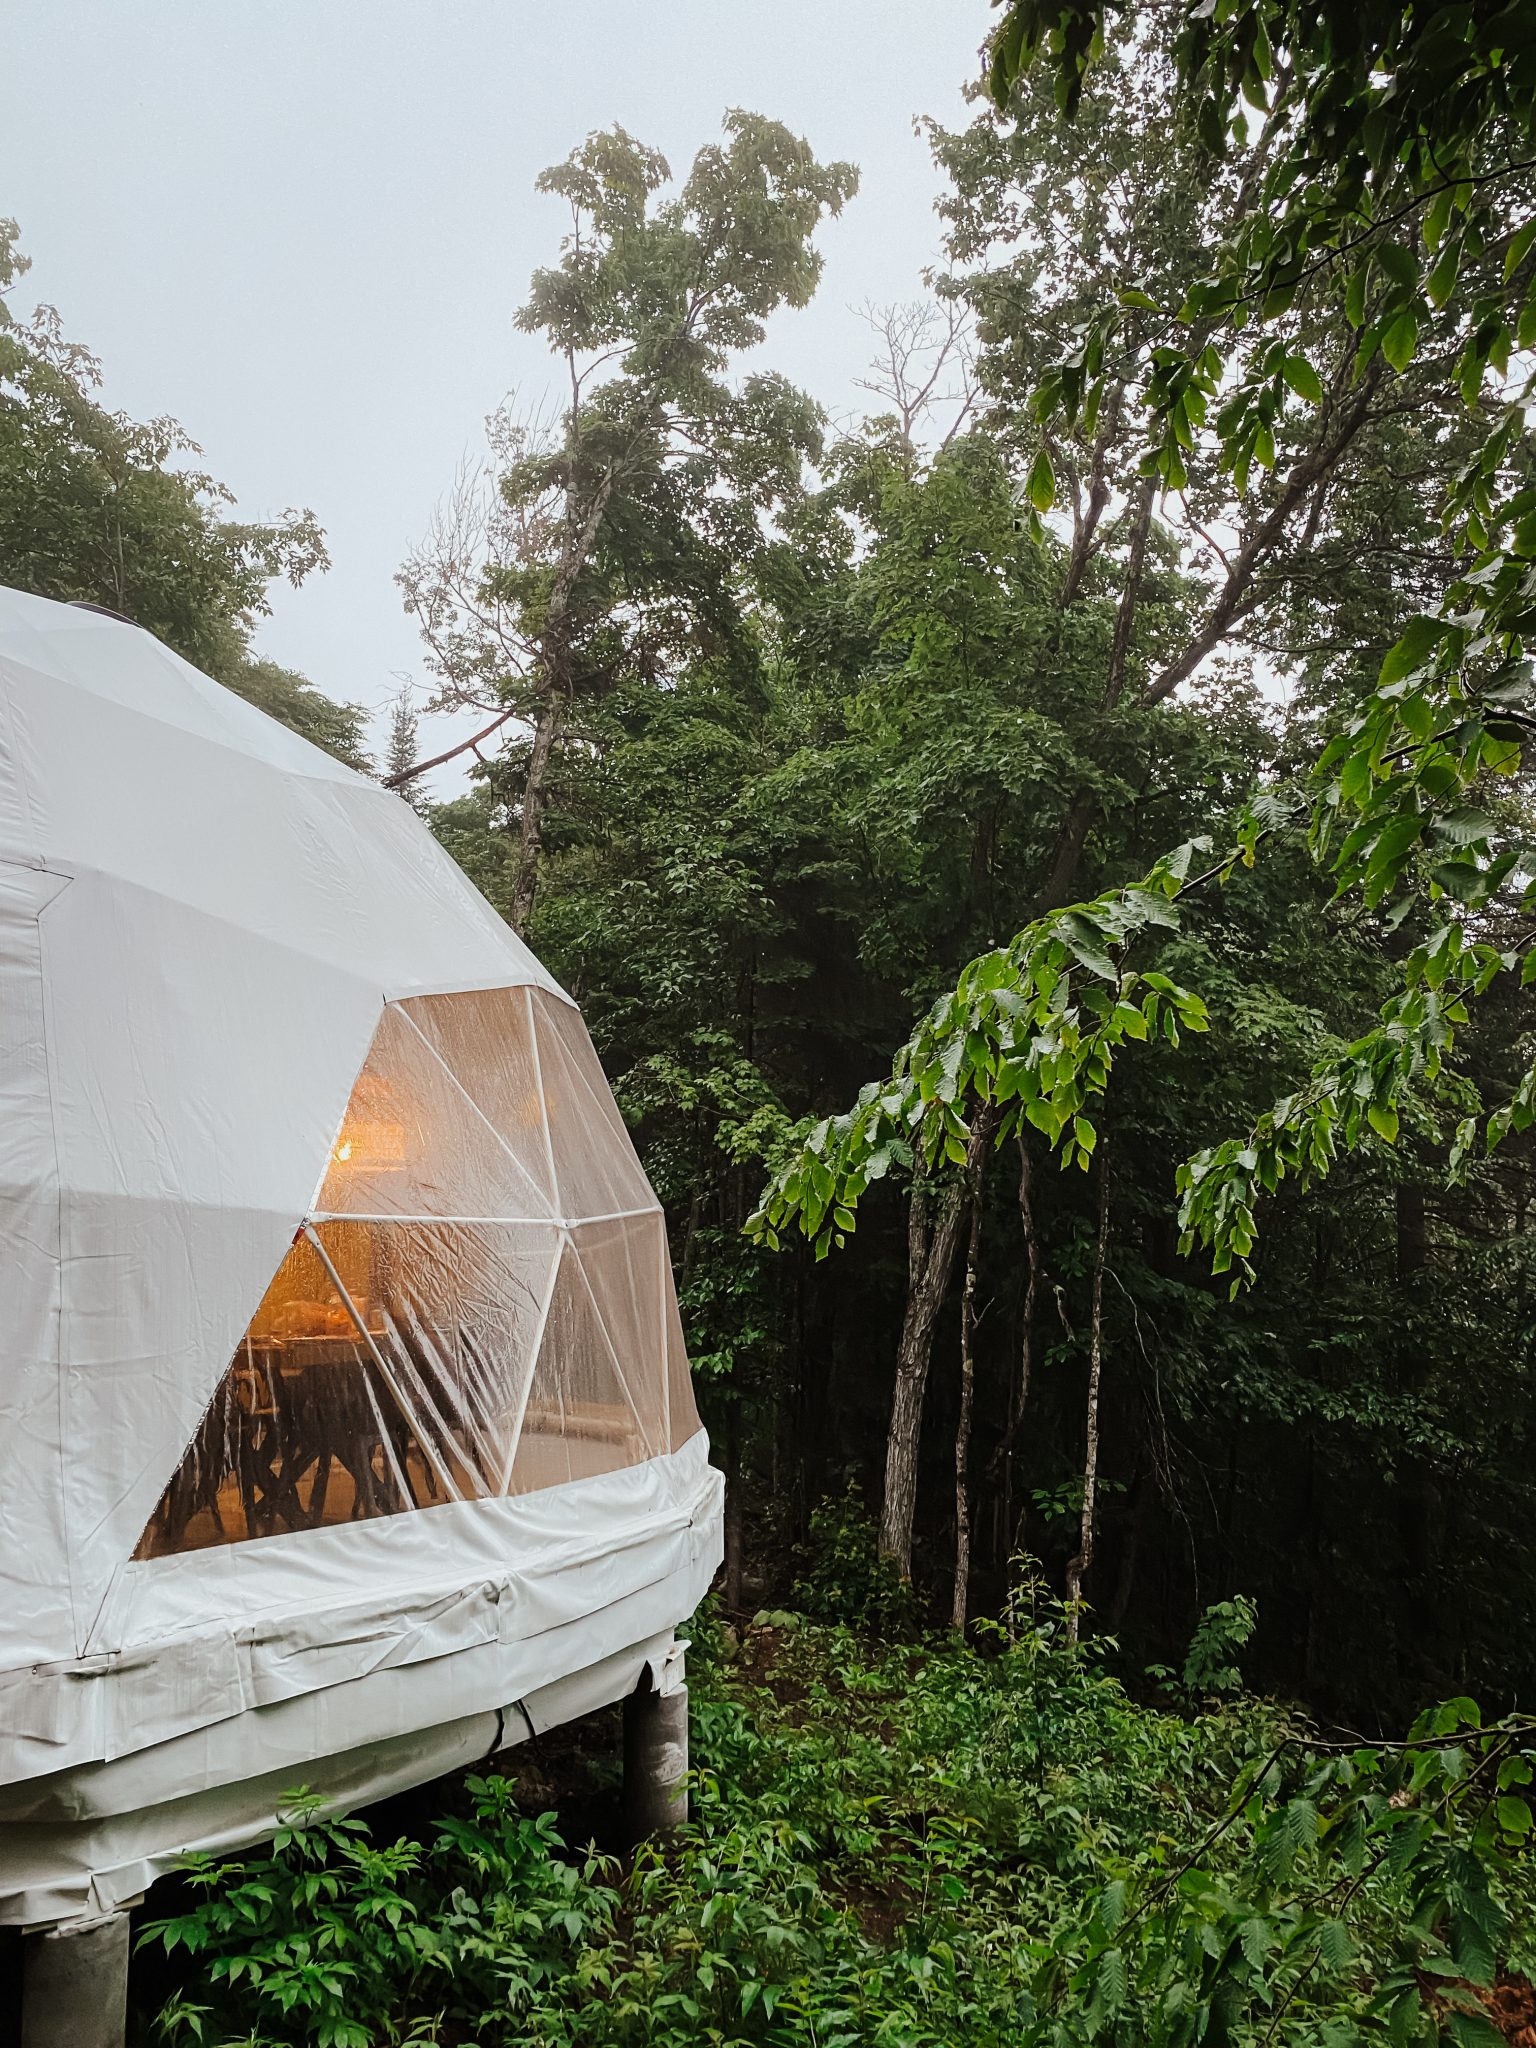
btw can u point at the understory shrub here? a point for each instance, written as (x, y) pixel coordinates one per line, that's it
(908, 1844)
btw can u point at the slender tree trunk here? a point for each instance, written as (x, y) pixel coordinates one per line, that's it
(1412, 1233)
(961, 1606)
(933, 1233)
(531, 839)
(1086, 515)
(1062, 879)
(1069, 851)
(691, 1231)
(1311, 1522)
(933, 1225)
(555, 657)
(1002, 1457)
(1142, 1495)
(813, 1404)
(1230, 606)
(734, 1505)
(1078, 1569)
(1033, 1274)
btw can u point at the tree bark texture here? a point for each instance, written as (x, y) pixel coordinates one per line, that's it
(1074, 833)
(933, 1234)
(933, 1225)
(1078, 1569)
(960, 1610)
(1002, 1457)
(734, 1560)
(555, 655)
(531, 838)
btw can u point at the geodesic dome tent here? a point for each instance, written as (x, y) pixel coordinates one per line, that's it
(344, 1410)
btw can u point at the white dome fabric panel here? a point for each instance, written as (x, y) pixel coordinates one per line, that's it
(34, 1605)
(205, 925)
(209, 914)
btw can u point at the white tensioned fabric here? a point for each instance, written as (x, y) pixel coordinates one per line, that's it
(201, 919)
(266, 1125)
(479, 1303)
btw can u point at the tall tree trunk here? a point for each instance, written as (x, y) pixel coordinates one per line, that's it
(1143, 1494)
(734, 1505)
(933, 1224)
(1002, 1457)
(1062, 879)
(1086, 515)
(1412, 1233)
(556, 660)
(1080, 1565)
(531, 839)
(933, 1233)
(960, 1609)
(1230, 606)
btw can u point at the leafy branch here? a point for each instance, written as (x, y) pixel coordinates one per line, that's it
(1032, 1029)
(1408, 1841)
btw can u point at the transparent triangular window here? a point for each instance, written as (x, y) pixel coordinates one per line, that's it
(480, 1302)
(624, 1263)
(454, 1311)
(579, 1420)
(596, 1170)
(682, 1410)
(484, 1037)
(304, 1431)
(413, 1142)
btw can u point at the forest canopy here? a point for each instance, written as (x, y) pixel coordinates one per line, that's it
(1048, 865)
(1106, 753)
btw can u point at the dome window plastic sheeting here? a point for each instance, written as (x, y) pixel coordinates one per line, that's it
(450, 1323)
(346, 1426)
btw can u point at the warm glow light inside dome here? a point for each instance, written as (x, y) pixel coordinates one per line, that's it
(480, 1303)
(370, 1143)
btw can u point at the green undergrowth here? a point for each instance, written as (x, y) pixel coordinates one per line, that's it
(913, 1842)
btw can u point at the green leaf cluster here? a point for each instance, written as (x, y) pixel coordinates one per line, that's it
(911, 1841)
(1031, 1029)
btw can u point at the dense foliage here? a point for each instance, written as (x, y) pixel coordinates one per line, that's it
(936, 723)
(915, 1842)
(1378, 163)
(1109, 755)
(824, 762)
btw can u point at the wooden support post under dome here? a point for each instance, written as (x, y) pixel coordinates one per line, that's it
(656, 1750)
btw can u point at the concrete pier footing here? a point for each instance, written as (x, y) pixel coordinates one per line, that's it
(75, 1985)
(656, 1751)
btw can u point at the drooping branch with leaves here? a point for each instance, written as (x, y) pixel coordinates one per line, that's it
(1032, 1028)
(1029, 1036)
(1393, 152)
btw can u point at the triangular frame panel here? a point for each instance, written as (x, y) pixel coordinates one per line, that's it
(579, 1420)
(480, 1302)
(302, 1431)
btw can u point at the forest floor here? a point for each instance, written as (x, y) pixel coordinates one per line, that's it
(900, 1842)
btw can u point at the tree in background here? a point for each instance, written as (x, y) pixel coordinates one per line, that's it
(614, 540)
(98, 508)
(1159, 578)
(772, 833)
(1392, 196)
(294, 701)
(401, 747)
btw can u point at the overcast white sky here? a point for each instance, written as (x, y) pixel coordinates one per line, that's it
(303, 226)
